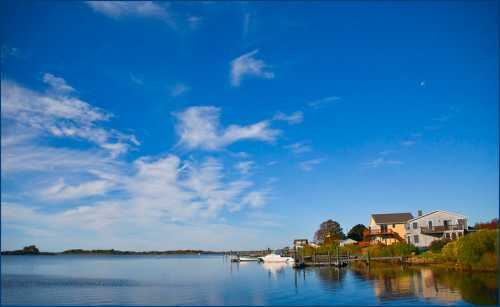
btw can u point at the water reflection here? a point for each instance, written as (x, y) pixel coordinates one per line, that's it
(275, 268)
(208, 280)
(431, 284)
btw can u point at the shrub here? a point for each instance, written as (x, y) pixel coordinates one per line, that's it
(488, 260)
(449, 251)
(437, 246)
(403, 249)
(471, 248)
(397, 249)
(352, 249)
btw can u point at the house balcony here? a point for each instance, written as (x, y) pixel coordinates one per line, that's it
(377, 232)
(370, 235)
(441, 228)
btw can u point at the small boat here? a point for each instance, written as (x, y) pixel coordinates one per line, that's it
(248, 259)
(276, 258)
(242, 259)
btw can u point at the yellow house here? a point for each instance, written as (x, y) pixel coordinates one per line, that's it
(387, 228)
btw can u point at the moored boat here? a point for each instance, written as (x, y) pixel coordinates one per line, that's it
(276, 258)
(248, 259)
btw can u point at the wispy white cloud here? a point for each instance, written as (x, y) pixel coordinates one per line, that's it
(122, 9)
(244, 167)
(299, 148)
(408, 143)
(386, 152)
(255, 199)
(179, 89)
(136, 79)
(158, 189)
(316, 104)
(105, 194)
(194, 22)
(59, 113)
(379, 162)
(62, 191)
(247, 19)
(7, 51)
(247, 65)
(308, 165)
(199, 127)
(28, 157)
(88, 232)
(57, 84)
(292, 119)
(452, 112)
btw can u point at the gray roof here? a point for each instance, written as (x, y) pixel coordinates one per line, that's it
(392, 218)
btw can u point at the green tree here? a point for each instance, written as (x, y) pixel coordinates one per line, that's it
(329, 230)
(356, 232)
(32, 249)
(437, 245)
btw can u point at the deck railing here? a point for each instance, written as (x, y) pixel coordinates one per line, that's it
(441, 228)
(372, 232)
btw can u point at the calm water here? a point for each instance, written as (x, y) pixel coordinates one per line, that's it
(212, 280)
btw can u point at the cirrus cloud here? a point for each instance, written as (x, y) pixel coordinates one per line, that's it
(199, 128)
(247, 65)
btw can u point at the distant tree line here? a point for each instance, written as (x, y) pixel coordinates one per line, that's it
(493, 224)
(33, 250)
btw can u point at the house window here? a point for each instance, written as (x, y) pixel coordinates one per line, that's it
(415, 239)
(415, 225)
(408, 226)
(430, 224)
(408, 239)
(446, 224)
(453, 235)
(447, 235)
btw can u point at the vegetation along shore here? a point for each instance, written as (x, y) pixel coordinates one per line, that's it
(33, 250)
(476, 251)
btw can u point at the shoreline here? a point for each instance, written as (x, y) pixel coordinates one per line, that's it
(418, 263)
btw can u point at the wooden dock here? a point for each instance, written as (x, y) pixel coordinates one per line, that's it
(335, 259)
(338, 259)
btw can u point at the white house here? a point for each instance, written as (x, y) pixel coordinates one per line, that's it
(347, 242)
(435, 225)
(299, 243)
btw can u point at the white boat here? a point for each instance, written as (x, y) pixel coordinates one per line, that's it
(276, 258)
(242, 259)
(248, 259)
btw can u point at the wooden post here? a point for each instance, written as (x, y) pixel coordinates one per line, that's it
(338, 260)
(302, 258)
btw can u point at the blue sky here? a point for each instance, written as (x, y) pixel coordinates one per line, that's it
(228, 125)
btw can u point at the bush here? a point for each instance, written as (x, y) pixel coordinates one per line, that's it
(488, 260)
(471, 248)
(437, 246)
(476, 250)
(352, 249)
(397, 249)
(449, 251)
(403, 249)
